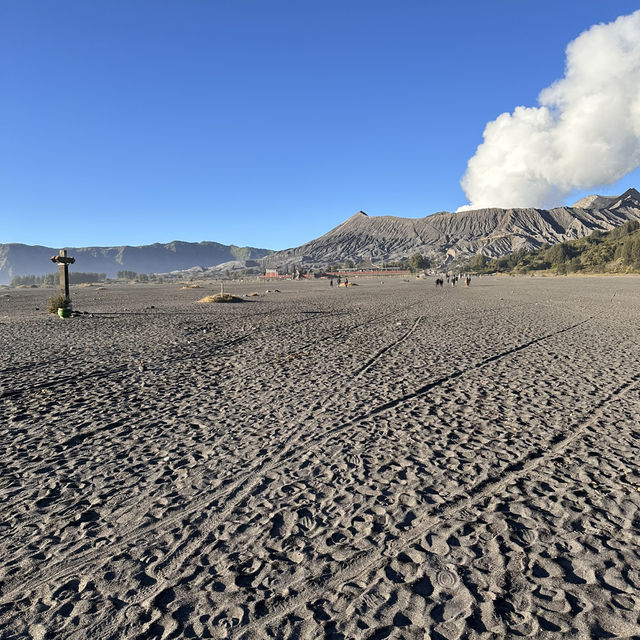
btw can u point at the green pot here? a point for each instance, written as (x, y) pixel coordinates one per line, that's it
(64, 313)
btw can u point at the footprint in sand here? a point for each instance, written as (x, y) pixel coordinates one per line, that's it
(457, 608)
(467, 515)
(372, 600)
(281, 525)
(526, 537)
(246, 564)
(293, 544)
(354, 460)
(614, 578)
(449, 630)
(624, 601)
(446, 579)
(436, 544)
(306, 524)
(521, 602)
(553, 600)
(229, 619)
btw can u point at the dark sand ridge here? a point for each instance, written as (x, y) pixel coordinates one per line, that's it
(288, 504)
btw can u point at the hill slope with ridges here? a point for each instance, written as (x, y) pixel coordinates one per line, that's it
(446, 236)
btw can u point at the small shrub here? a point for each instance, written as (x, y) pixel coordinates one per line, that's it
(57, 302)
(220, 297)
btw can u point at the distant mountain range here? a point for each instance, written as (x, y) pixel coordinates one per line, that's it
(444, 237)
(451, 236)
(22, 259)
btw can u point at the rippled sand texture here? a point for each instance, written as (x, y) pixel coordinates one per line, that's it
(387, 461)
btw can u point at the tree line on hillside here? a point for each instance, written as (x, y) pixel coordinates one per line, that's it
(614, 251)
(416, 262)
(52, 279)
(139, 277)
(81, 277)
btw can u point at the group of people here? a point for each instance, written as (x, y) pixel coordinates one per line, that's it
(453, 279)
(346, 282)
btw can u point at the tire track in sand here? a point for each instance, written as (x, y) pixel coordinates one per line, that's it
(371, 361)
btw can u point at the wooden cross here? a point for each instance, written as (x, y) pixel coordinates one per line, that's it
(63, 269)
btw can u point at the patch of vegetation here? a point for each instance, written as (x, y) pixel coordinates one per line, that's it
(52, 279)
(418, 262)
(221, 297)
(616, 251)
(133, 276)
(57, 302)
(398, 264)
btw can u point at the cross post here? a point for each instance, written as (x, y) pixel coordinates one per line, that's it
(63, 263)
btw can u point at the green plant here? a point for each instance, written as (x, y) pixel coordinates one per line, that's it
(417, 262)
(58, 302)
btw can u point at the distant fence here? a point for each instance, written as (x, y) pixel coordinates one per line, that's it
(284, 276)
(340, 273)
(370, 272)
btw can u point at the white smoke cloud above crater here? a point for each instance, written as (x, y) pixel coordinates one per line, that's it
(585, 133)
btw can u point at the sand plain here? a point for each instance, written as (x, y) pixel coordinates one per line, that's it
(387, 461)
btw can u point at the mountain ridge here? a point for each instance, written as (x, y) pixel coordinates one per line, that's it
(446, 236)
(22, 259)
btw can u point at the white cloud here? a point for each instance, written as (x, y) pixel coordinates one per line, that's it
(584, 133)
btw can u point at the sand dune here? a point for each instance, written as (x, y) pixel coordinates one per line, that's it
(386, 461)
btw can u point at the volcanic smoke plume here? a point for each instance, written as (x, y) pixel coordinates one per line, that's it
(584, 134)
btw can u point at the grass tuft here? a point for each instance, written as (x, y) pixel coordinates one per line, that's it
(57, 302)
(221, 297)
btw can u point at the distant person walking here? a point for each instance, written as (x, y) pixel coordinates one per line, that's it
(331, 282)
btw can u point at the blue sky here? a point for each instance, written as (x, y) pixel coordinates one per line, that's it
(258, 122)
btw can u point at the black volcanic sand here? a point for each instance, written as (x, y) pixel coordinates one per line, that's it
(386, 461)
